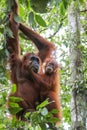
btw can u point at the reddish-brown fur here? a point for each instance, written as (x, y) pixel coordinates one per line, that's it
(46, 49)
(27, 82)
(52, 92)
(27, 86)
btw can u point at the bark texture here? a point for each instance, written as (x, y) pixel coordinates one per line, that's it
(78, 100)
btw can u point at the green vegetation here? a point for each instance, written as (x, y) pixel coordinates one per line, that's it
(50, 19)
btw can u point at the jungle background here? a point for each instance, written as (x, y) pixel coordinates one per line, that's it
(64, 22)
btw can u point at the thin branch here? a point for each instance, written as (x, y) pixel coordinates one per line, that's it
(59, 27)
(83, 10)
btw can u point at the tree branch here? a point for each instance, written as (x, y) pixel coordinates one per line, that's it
(85, 10)
(60, 25)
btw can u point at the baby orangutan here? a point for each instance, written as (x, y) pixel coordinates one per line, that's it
(51, 76)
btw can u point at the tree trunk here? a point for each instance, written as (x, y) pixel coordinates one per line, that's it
(78, 97)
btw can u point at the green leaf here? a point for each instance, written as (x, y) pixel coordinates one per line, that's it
(13, 90)
(1, 30)
(16, 18)
(12, 105)
(43, 104)
(38, 127)
(62, 9)
(8, 32)
(27, 114)
(31, 17)
(53, 120)
(44, 111)
(14, 108)
(15, 99)
(14, 111)
(81, 1)
(40, 20)
(2, 126)
(65, 3)
(4, 94)
(54, 111)
(31, 20)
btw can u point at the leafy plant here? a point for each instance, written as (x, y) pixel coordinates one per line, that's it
(39, 119)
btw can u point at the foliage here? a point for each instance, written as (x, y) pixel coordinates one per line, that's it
(39, 6)
(38, 120)
(49, 18)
